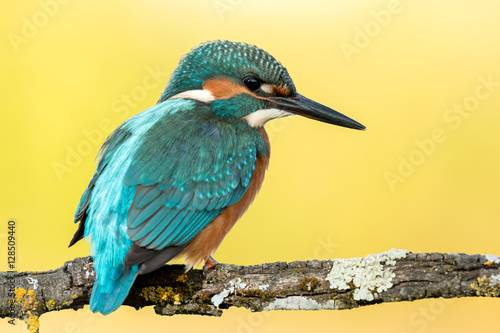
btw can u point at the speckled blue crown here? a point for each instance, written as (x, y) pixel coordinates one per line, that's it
(225, 58)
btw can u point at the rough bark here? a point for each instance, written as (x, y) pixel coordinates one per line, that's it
(302, 285)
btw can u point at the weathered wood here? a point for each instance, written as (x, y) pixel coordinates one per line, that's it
(392, 276)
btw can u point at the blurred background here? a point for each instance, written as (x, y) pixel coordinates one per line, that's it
(423, 76)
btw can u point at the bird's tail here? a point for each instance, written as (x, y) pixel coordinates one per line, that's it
(108, 295)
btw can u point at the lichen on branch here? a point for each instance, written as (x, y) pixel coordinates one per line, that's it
(393, 276)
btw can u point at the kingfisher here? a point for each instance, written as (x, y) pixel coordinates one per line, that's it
(172, 180)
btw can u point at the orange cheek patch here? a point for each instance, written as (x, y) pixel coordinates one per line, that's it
(223, 88)
(281, 90)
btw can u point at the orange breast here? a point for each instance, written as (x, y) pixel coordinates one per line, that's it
(209, 239)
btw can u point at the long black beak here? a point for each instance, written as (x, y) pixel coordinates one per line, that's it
(306, 107)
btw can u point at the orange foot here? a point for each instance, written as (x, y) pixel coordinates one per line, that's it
(209, 265)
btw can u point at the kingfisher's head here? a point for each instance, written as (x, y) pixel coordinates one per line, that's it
(244, 81)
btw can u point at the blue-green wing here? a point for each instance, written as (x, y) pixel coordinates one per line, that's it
(186, 171)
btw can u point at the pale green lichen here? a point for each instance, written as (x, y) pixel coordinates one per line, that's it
(495, 280)
(365, 275)
(219, 298)
(233, 285)
(492, 259)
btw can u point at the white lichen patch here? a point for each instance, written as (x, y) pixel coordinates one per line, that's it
(32, 281)
(366, 274)
(238, 284)
(299, 303)
(495, 280)
(89, 273)
(330, 305)
(492, 258)
(263, 287)
(233, 285)
(219, 298)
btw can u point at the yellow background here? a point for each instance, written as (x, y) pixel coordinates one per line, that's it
(326, 194)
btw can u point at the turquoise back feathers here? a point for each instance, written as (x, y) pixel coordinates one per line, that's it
(162, 176)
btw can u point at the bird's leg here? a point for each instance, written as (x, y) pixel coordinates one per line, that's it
(209, 265)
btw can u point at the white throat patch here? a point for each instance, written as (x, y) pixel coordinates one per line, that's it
(260, 117)
(201, 95)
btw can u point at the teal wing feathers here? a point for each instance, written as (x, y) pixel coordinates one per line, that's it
(118, 137)
(184, 178)
(162, 176)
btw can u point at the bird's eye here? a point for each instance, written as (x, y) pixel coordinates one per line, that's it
(252, 83)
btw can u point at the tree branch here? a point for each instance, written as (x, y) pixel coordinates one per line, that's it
(392, 276)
